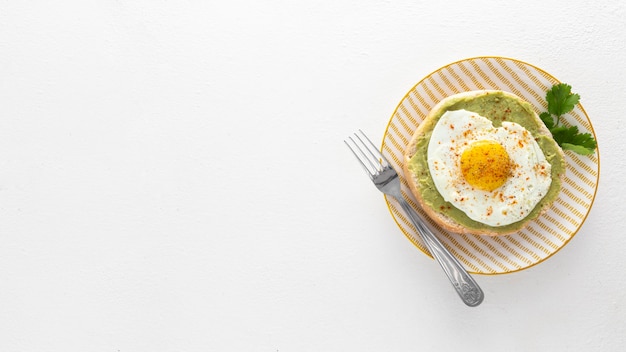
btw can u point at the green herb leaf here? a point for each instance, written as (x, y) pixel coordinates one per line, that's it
(577, 149)
(561, 100)
(547, 119)
(570, 139)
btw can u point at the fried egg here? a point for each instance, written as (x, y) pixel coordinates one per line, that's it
(495, 175)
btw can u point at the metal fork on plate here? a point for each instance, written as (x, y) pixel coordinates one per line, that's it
(387, 181)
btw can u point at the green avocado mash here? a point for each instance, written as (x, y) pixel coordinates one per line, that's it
(497, 107)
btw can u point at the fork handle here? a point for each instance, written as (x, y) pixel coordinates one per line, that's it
(465, 286)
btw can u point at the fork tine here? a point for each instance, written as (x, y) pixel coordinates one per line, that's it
(361, 157)
(373, 162)
(373, 151)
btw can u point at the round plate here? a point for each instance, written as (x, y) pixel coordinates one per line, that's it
(542, 237)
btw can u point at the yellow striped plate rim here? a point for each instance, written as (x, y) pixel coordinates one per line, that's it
(544, 236)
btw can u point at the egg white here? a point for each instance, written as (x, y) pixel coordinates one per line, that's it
(528, 183)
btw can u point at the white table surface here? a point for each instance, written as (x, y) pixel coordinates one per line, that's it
(173, 177)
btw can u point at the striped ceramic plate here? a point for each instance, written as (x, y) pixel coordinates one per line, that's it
(544, 236)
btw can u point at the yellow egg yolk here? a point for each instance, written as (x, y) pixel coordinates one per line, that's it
(485, 165)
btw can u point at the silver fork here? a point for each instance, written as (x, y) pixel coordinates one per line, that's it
(387, 181)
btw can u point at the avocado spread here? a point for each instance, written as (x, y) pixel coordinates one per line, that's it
(497, 107)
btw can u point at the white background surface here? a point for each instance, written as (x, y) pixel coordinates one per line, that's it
(173, 177)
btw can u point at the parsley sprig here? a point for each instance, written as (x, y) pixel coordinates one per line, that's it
(561, 100)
